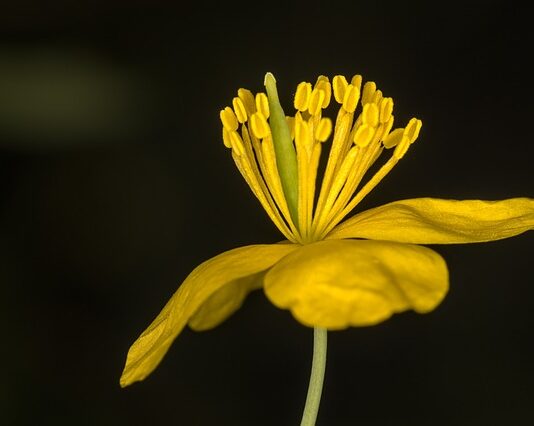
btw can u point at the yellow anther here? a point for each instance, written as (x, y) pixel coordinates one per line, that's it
(356, 81)
(239, 110)
(412, 129)
(364, 135)
(323, 130)
(339, 84)
(247, 98)
(302, 132)
(370, 114)
(393, 138)
(226, 138)
(259, 125)
(377, 97)
(291, 125)
(228, 119)
(316, 101)
(237, 143)
(262, 104)
(302, 96)
(402, 147)
(386, 109)
(369, 90)
(324, 84)
(387, 126)
(350, 100)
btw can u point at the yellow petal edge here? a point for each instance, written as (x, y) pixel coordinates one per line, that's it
(436, 221)
(229, 269)
(340, 283)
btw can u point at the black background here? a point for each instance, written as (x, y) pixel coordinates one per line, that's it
(115, 184)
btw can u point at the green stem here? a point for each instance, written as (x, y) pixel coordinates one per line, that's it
(315, 387)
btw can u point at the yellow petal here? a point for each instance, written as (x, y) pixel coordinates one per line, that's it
(224, 302)
(435, 221)
(227, 269)
(340, 283)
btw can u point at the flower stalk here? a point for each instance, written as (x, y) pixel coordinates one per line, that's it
(315, 388)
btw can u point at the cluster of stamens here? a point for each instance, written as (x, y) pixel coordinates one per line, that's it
(357, 142)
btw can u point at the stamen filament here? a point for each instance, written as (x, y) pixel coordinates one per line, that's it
(265, 200)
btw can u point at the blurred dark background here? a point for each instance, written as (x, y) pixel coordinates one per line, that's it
(115, 184)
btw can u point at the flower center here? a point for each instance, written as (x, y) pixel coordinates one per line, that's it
(291, 199)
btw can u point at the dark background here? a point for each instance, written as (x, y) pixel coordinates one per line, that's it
(115, 184)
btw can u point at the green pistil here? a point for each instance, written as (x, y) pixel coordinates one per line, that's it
(286, 157)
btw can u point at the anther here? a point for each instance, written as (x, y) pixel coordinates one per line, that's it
(228, 119)
(377, 97)
(364, 135)
(226, 138)
(369, 90)
(259, 125)
(247, 98)
(370, 114)
(239, 110)
(323, 130)
(412, 129)
(386, 109)
(323, 83)
(302, 96)
(262, 104)
(316, 101)
(393, 138)
(339, 84)
(350, 100)
(402, 147)
(356, 81)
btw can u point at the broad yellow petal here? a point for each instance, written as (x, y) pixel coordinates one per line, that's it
(233, 269)
(435, 221)
(340, 283)
(224, 302)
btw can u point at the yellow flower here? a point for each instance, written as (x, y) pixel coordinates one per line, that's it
(329, 274)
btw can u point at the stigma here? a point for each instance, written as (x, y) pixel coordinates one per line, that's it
(313, 206)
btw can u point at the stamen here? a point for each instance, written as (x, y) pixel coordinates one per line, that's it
(279, 156)
(370, 114)
(247, 98)
(262, 104)
(237, 143)
(339, 84)
(364, 135)
(323, 130)
(239, 110)
(350, 99)
(413, 128)
(260, 127)
(369, 90)
(356, 81)
(228, 118)
(324, 84)
(302, 96)
(393, 138)
(316, 101)
(386, 109)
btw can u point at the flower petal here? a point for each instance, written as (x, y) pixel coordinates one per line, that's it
(224, 302)
(233, 268)
(435, 221)
(340, 283)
